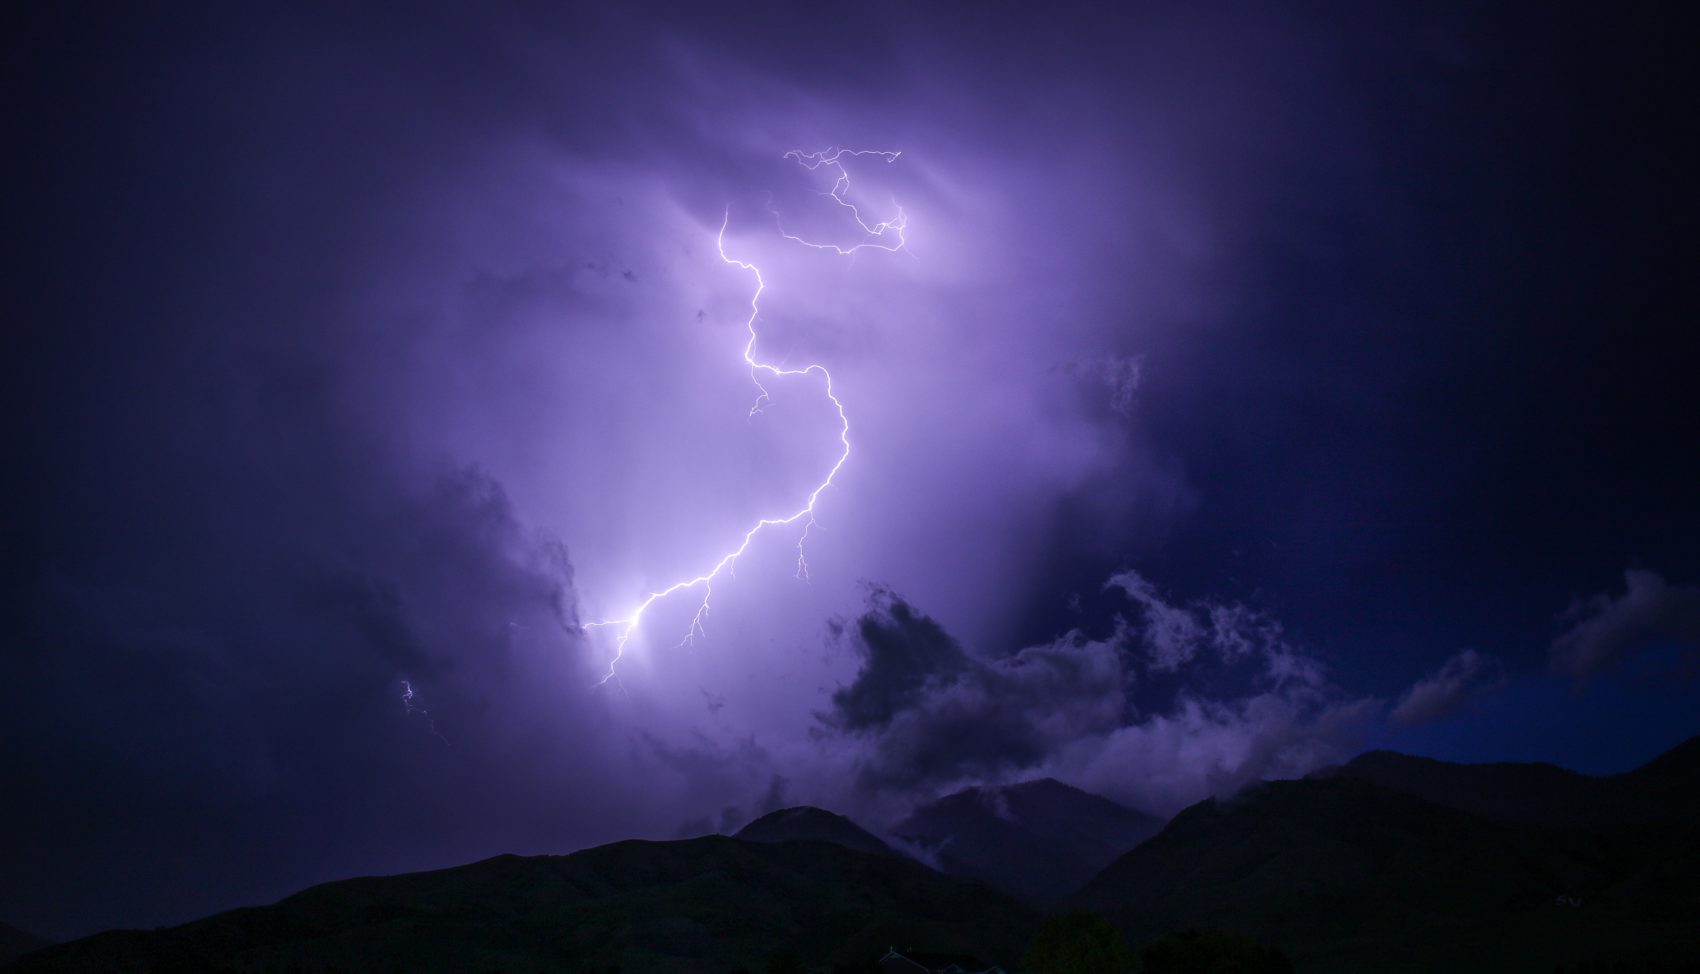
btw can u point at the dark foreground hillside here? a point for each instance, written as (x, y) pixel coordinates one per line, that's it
(709, 905)
(14, 942)
(1345, 875)
(1388, 864)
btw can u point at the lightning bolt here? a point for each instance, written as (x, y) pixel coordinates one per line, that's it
(886, 235)
(412, 708)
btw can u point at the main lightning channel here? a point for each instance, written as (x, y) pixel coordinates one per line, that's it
(886, 235)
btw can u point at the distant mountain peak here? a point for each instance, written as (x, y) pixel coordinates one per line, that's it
(1033, 789)
(806, 823)
(15, 942)
(1666, 788)
(1384, 757)
(798, 813)
(1037, 839)
(1041, 783)
(1051, 786)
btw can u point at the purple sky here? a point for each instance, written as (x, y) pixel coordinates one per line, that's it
(1252, 389)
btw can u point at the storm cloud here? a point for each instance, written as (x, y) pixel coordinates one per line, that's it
(1165, 708)
(1444, 692)
(1603, 631)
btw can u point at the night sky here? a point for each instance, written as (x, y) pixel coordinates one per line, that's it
(1253, 387)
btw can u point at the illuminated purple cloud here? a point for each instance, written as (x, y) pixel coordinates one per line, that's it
(874, 237)
(1182, 702)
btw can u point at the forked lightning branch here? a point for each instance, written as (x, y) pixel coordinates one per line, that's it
(884, 235)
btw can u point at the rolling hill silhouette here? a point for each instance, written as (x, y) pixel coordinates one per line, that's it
(1389, 863)
(15, 942)
(1345, 873)
(1666, 789)
(713, 904)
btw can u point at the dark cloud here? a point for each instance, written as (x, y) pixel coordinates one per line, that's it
(1174, 635)
(256, 693)
(706, 766)
(713, 701)
(1446, 691)
(1603, 631)
(745, 766)
(903, 652)
(934, 715)
(1077, 706)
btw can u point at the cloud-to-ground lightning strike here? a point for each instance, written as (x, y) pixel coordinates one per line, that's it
(885, 235)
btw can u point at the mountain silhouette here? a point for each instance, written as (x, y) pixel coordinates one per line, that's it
(1038, 840)
(1389, 863)
(1666, 789)
(1344, 873)
(709, 905)
(805, 823)
(15, 942)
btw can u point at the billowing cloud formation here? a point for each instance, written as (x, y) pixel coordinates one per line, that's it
(1445, 691)
(1181, 702)
(1605, 630)
(1206, 746)
(1175, 635)
(935, 714)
